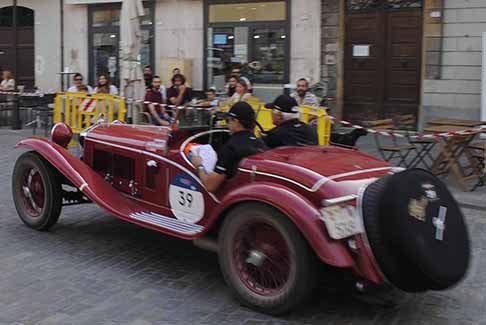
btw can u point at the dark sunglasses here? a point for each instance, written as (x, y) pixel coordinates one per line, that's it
(78, 79)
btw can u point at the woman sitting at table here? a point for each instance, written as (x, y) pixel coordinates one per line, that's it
(8, 83)
(105, 87)
(241, 93)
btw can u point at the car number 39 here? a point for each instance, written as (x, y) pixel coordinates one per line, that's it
(186, 204)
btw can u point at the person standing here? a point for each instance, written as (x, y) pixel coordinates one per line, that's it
(179, 94)
(8, 82)
(155, 105)
(302, 94)
(288, 130)
(104, 86)
(78, 84)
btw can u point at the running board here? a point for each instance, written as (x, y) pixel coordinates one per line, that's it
(168, 223)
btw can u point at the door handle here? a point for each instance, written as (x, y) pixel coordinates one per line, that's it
(152, 163)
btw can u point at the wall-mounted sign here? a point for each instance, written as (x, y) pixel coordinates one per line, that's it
(361, 50)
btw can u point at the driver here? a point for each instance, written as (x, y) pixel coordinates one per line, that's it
(242, 143)
(288, 130)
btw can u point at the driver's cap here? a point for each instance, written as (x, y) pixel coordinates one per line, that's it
(242, 111)
(285, 104)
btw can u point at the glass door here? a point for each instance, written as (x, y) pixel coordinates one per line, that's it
(105, 56)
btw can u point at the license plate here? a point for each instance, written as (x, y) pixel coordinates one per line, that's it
(341, 221)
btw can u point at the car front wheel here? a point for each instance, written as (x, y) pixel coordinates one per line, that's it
(36, 191)
(265, 260)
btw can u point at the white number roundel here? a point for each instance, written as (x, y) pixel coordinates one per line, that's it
(186, 199)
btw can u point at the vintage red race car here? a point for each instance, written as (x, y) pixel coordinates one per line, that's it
(285, 212)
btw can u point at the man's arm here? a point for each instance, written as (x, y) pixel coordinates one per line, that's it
(272, 139)
(156, 116)
(180, 98)
(212, 181)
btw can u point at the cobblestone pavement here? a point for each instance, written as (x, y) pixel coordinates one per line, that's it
(94, 269)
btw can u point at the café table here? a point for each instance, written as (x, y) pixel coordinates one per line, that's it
(456, 122)
(452, 149)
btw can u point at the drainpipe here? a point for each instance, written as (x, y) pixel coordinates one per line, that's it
(61, 3)
(16, 122)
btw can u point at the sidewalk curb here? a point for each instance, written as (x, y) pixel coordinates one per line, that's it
(472, 206)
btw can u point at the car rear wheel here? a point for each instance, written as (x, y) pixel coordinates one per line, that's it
(416, 231)
(37, 193)
(265, 260)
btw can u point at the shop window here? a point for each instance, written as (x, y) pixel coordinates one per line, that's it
(252, 37)
(248, 12)
(104, 40)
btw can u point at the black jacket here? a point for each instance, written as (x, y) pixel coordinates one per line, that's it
(291, 133)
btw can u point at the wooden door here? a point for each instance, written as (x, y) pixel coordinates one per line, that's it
(382, 61)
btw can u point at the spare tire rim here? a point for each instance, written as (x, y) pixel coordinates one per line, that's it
(261, 258)
(32, 192)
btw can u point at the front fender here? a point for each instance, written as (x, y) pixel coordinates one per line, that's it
(300, 210)
(82, 177)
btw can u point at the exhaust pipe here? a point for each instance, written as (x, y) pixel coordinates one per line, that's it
(207, 243)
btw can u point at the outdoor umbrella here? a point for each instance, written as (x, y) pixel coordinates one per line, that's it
(132, 81)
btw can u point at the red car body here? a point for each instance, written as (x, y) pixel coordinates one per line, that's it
(142, 174)
(294, 180)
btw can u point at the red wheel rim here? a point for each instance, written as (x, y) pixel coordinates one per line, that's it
(32, 192)
(262, 258)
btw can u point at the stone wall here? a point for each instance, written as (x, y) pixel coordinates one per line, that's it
(452, 85)
(330, 53)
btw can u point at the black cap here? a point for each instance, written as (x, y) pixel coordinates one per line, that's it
(285, 104)
(243, 112)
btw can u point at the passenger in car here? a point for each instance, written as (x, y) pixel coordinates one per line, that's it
(289, 130)
(241, 121)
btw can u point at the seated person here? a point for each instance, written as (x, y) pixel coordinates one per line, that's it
(78, 85)
(289, 130)
(179, 94)
(241, 93)
(154, 97)
(211, 99)
(242, 143)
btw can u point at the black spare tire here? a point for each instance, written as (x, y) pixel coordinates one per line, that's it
(416, 231)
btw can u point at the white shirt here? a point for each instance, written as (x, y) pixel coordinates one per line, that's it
(74, 89)
(237, 98)
(8, 85)
(113, 90)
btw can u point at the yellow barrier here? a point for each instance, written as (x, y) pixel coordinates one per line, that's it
(81, 110)
(309, 114)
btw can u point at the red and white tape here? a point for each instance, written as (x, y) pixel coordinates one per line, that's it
(417, 136)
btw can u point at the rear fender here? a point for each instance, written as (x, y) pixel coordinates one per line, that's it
(302, 213)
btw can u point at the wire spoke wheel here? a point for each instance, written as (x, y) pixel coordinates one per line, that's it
(37, 193)
(265, 260)
(262, 258)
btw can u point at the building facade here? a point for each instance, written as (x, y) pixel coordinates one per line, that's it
(377, 58)
(384, 58)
